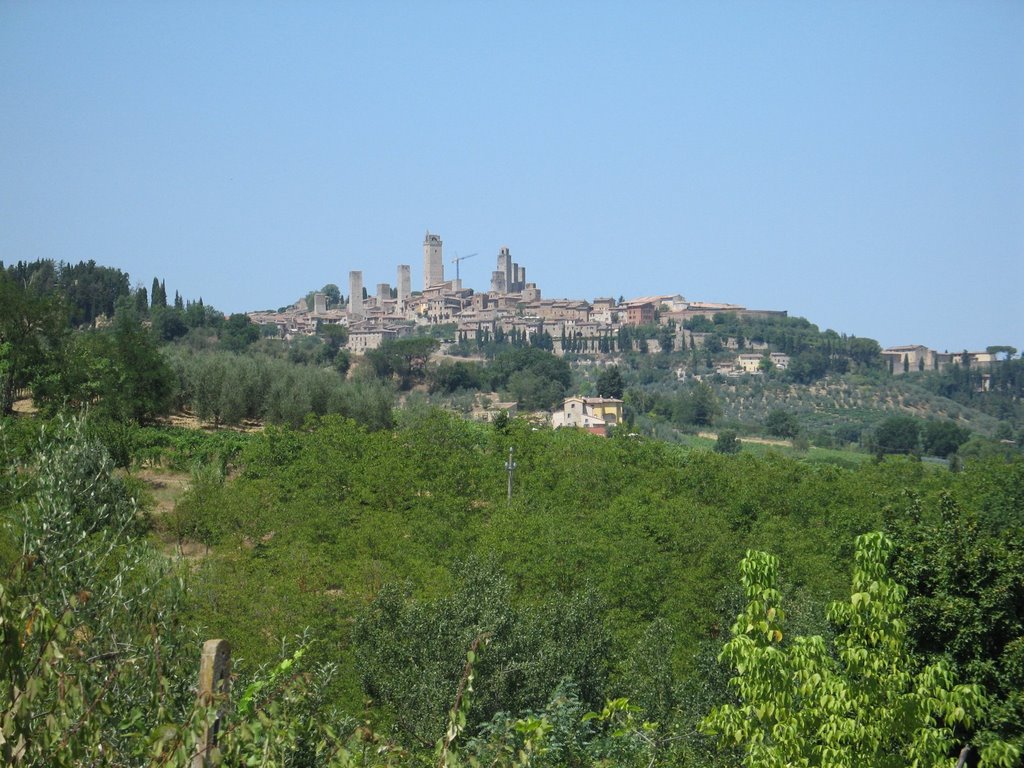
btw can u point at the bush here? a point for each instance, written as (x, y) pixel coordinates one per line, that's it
(728, 442)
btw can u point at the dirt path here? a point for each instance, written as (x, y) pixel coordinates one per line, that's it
(747, 439)
(166, 486)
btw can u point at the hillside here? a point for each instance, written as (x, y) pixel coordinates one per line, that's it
(341, 520)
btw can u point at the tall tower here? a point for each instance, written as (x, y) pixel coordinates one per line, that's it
(505, 267)
(433, 264)
(355, 299)
(404, 285)
(498, 281)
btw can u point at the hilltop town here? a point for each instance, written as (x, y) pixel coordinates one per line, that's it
(514, 307)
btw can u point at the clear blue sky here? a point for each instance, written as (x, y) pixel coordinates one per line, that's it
(857, 163)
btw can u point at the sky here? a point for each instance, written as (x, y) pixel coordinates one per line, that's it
(860, 164)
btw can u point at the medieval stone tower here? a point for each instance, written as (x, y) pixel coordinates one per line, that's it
(355, 295)
(433, 265)
(404, 285)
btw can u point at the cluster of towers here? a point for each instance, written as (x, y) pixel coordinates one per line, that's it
(509, 277)
(355, 290)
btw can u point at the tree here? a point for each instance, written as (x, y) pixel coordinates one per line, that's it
(404, 359)
(697, 405)
(861, 703)
(141, 301)
(167, 323)
(782, 424)
(157, 295)
(1002, 350)
(32, 326)
(666, 337)
(943, 438)
(610, 383)
(333, 294)
(335, 337)
(450, 377)
(410, 653)
(138, 383)
(91, 291)
(727, 442)
(866, 352)
(807, 367)
(897, 434)
(965, 595)
(238, 332)
(536, 378)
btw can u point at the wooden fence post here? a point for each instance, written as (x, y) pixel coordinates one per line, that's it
(214, 680)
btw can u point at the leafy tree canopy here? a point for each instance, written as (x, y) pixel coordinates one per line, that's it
(858, 703)
(610, 383)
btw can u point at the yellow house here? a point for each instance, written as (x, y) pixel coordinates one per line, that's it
(593, 413)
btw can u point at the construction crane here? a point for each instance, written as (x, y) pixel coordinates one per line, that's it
(458, 259)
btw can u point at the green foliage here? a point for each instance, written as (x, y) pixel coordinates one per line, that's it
(813, 353)
(89, 291)
(728, 442)
(782, 424)
(897, 434)
(167, 323)
(449, 377)
(862, 704)
(697, 406)
(91, 644)
(119, 373)
(963, 569)
(32, 325)
(1000, 395)
(610, 383)
(535, 378)
(225, 388)
(184, 449)
(405, 360)
(604, 579)
(409, 652)
(943, 438)
(238, 332)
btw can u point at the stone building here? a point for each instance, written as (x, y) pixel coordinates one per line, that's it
(595, 414)
(355, 295)
(509, 277)
(433, 263)
(404, 286)
(640, 313)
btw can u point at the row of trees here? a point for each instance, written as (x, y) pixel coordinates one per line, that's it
(90, 291)
(222, 387)
(913, 436)
(692, 405)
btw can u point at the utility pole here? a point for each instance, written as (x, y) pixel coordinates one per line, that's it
(510, 465)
